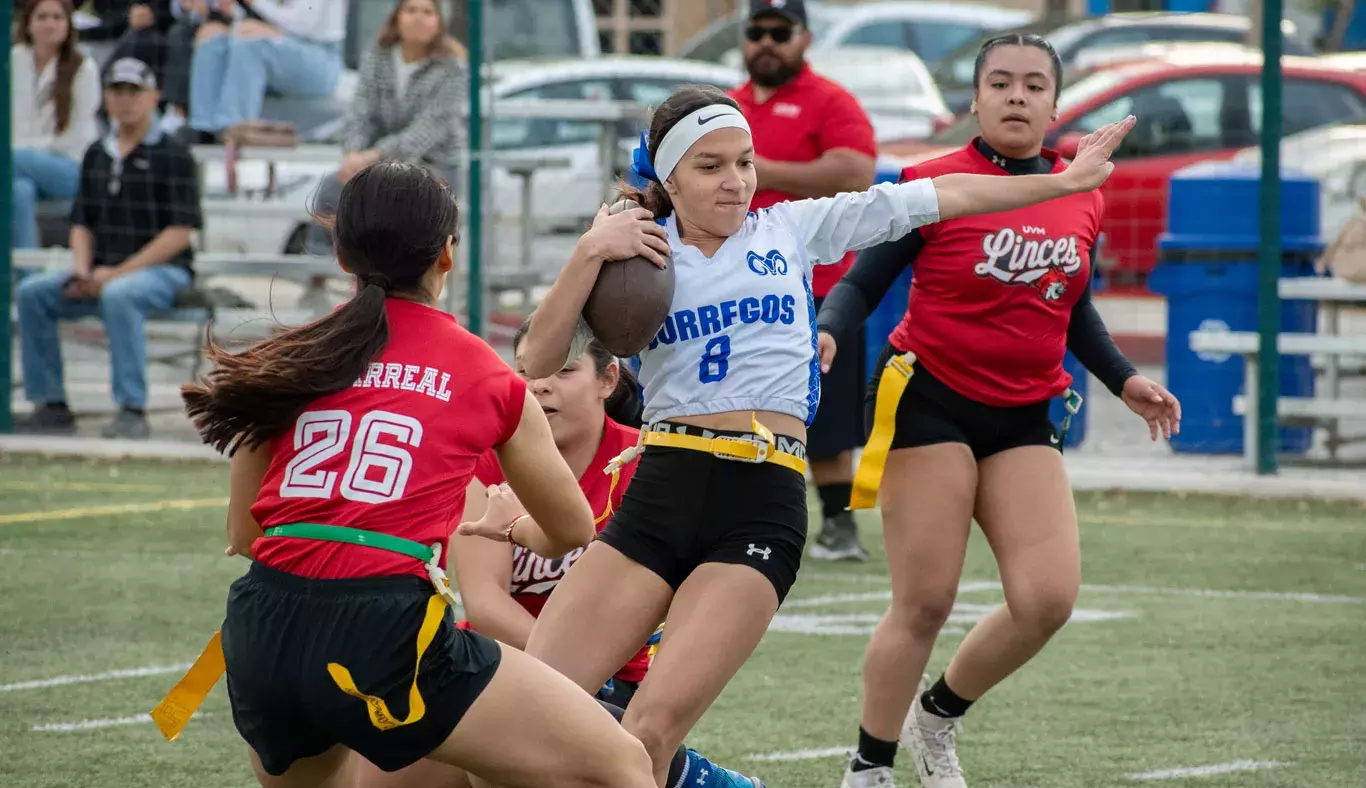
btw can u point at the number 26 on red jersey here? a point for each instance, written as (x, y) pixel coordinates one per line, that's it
(376, 472)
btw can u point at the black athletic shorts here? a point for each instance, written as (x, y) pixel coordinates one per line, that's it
(839, 423)
(930, 412)
(685, 508)
(281, 632)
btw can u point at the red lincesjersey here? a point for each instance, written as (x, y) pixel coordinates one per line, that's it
(534, 577)
(992, 295)
(394, 452)
(800, 122)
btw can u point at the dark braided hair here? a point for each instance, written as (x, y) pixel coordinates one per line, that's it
(1018, 40)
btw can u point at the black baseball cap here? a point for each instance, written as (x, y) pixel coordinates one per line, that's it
(130, 71)
(793, 11)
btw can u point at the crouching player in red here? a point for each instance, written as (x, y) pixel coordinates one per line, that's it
(961, 419)
(353, 440)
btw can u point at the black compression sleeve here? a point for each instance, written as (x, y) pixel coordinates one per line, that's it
(1090, 341)
(858, 293)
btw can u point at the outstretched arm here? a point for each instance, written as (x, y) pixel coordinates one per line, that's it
(834, 225)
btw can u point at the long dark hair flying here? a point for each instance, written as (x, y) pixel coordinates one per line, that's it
(393, 221)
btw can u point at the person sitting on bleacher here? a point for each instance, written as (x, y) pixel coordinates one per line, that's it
(131, 223)
(53, 102)
(293, 48)
(413, 83)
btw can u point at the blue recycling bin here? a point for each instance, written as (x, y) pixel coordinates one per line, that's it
(1207, 269)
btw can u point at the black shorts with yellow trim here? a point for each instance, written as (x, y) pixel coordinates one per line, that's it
(685, 508)
(281, 632)
(931, 413)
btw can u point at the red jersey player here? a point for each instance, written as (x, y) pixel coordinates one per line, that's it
(353, 439)
(996, 300)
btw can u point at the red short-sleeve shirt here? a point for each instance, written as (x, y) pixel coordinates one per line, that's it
(393, 452)
(800, 122)
(993, 294)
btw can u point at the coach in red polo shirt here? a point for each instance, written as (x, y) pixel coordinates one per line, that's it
(811, 139)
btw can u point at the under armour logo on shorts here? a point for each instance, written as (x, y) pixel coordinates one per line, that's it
(756, 550)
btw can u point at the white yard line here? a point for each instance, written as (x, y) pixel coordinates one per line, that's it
(85, 725)
(88, 725)
(801, 755)
(1205, 771)
(85, 678)
(1211, 593)
(1323, 599)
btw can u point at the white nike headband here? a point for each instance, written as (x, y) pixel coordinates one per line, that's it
(689, 130)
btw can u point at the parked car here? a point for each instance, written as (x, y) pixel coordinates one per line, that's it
(894, 88)
(1076, 39)
(929, 29)
(1187, 112)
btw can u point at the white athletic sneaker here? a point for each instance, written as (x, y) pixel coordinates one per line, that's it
(932, 741)
(877, 777)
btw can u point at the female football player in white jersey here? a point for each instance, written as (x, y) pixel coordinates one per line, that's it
(711, 530)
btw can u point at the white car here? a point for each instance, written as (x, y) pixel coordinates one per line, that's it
(894, 88)
(1336, 156)
(929, 29)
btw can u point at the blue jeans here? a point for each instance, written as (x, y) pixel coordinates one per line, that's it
(38, 175)
(229, 76)
(122, 306)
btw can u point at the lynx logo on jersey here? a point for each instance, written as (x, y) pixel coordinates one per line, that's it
(535, 574)
(771, 263)
(1043, 263)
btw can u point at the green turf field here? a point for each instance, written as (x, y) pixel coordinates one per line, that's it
(1211, 631)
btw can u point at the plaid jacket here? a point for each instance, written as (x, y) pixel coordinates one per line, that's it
(425, 124)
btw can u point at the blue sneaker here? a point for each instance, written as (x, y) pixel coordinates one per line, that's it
(702, 773)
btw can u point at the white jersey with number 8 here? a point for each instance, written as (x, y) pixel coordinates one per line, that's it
(741, 332)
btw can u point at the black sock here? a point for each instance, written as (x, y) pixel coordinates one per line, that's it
(135, 411)
(872, 752)
(677, 766)
(835, 498)
(941, 701)
(57, 406)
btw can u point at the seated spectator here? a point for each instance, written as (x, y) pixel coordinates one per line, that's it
(55, 95)
(413, 85)
(293, 48)
(131, 222)
(188, 15)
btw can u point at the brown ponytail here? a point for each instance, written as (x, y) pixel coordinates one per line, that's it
(393, 223)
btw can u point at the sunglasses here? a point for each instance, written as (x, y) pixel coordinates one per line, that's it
(780, 35)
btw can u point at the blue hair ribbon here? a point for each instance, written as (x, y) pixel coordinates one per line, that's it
(641, 167)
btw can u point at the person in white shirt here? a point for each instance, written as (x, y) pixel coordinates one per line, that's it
(293, 47)
(710, 533)
(56, 93)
